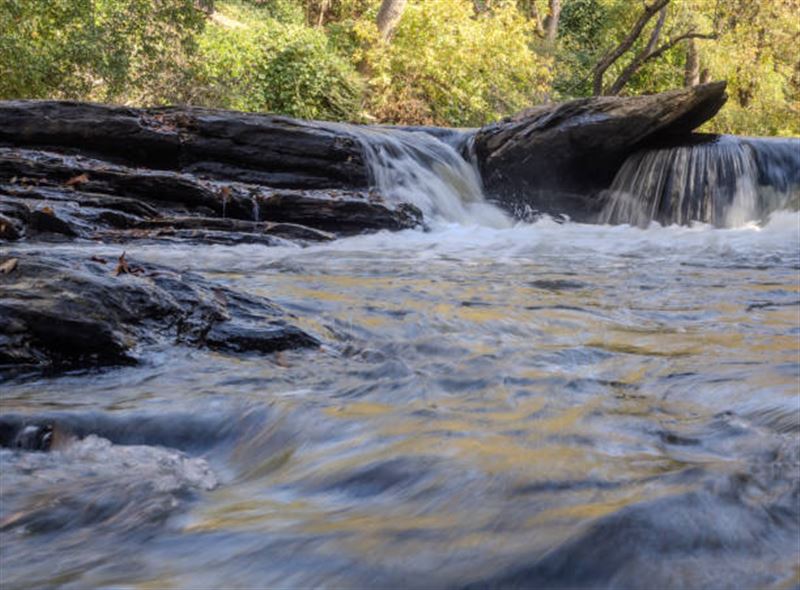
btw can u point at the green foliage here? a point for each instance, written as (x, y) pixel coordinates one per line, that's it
(757, 53)
(447, 65)
(449, 62)
(584, 33)
(100, 49)
(254, 62)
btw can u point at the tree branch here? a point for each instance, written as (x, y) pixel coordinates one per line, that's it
(536, 18)
(673, 42)
(637, 63)
(614, 54)
(640, 57)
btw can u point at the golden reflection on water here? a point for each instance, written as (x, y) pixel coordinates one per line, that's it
(521, 410)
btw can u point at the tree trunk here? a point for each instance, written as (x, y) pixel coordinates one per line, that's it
(389, 16)
(641, 57)
(533, 14)
(323, 8)
(691, 74)
(551, 22)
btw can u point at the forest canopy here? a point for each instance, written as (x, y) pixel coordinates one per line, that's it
(444, 62)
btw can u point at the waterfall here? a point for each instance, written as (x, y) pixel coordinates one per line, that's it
(430, 172)
(726, 181)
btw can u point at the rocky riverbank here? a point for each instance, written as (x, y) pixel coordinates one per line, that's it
(118, 175)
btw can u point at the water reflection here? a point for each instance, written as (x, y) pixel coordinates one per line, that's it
(542, 406)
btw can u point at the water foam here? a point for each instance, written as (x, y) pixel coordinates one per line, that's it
(429, 172)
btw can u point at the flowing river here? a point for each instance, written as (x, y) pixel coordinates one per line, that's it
(529, 405)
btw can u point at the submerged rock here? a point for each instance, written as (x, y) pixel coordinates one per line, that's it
(60, 311)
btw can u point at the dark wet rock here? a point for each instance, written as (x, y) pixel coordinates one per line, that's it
(48, 221)
(19, 432)
(557, 158)
(87, 197)
(245, 147)
(61, 311)
(345, 213)
(10, 229)
(235, 336)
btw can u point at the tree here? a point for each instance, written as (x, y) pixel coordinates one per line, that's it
(547, 27)
(691, 70)
(551, 21)
(389, 16)
(94, 49)
(652, 50)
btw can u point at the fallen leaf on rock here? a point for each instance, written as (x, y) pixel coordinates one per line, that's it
(99, 259)
(77, 180)
(8, 266)
(47, 210)
(124, 268)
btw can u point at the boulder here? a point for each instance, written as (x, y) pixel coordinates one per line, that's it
(64, 311)
(556, 158)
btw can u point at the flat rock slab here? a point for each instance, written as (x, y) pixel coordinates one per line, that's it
(226, 145)
(64, 311)
(47, 192)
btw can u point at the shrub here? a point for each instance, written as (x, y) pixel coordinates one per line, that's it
(261, 64)
(93, 49)
(447, 65)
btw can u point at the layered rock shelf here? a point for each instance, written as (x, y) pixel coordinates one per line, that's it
(116, 175)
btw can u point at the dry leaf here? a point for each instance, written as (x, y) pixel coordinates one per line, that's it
(77, 180)
(47, 210)
(8, 266)
(99, 259)
(124, 268)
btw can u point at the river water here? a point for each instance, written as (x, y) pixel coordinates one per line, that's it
(541, 405)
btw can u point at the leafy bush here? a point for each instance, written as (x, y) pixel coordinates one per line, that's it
(447, 65)
(97, 49)
(261, 64)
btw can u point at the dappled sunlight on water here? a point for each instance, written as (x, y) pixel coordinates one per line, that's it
(540, 406)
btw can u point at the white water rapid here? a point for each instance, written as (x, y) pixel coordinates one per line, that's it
(429, 172)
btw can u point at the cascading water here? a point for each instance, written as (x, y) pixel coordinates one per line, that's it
(430, 172)
(726, 181)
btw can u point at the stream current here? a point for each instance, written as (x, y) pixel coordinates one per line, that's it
(545, 405)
